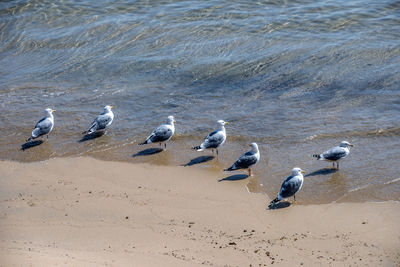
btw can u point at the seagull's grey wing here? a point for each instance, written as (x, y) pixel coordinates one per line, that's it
(214, 139)
(100, 123)
(290, 186)
(39, 123)
(335, 153)
(42, 127)
(245, 161)
(160, 134)
(103, 121)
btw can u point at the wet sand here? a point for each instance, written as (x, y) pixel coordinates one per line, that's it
(369, 173)
(86, 212)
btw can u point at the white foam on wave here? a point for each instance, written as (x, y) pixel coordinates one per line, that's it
(358, 188)
(392, 181)
(311, 137)
(366, 186)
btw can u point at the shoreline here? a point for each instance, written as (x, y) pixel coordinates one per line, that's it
(86, 212)
(360, 178)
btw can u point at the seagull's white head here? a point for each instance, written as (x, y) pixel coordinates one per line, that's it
(171, 120)
(254, 147)
(49, 111)
(345, 144)
(222, 123)
(108, 108)
(297, 171)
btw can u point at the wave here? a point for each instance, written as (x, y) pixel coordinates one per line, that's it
(386, 132)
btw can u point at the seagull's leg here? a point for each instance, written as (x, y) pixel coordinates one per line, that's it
(294, 197)
(47, 136)
(337, 165)
(250, 174)
(333, 164)
(217, 151)
(165, 145)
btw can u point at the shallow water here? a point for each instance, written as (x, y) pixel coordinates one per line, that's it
(297, 77)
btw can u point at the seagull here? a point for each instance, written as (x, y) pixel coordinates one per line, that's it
(215, 139)
(247, 159)
(162, 133)
(102, 121)
(336, 153)
(44, 126)
(290, 186)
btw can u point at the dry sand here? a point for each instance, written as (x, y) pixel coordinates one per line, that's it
(86, 212)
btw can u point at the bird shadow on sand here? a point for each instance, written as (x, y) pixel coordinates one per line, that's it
(198, 160)
(323, 171)
(31, 144)
(280, 205)
(148, 152)
(235, 177)
(91, 136)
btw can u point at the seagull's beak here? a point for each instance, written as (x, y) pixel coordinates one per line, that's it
(351, 145)
(226, 123)
(174, 121)
(111, 107)
(53, 110)
(249, 144)
(303, 171)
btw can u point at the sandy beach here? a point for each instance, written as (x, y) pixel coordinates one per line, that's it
(87, 212)
(296, 77)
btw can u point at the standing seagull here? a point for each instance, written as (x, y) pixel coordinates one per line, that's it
(247, 159)
(290, 186)
(336, 153)
(102, 121)
(162, 133)
(214, 139)
(44, 126)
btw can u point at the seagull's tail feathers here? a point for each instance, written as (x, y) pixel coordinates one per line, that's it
(88, 132)
(231, 168)
(273, 202)
(198, 148)
(317, 156)
(91, 130)
(144, 143)
(35, 134)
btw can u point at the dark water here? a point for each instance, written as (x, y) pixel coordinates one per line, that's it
(297, 77)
